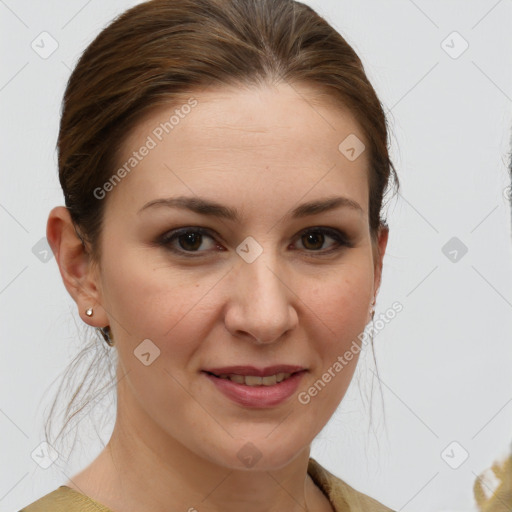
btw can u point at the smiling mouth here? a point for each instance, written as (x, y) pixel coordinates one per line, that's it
(257, 391)
(253, 380)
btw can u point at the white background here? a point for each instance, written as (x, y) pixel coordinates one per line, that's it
(444, 361)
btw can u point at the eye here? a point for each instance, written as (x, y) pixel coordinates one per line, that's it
(314, 238)
(189, 240)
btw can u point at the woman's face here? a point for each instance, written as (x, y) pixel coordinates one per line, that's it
(259, 280)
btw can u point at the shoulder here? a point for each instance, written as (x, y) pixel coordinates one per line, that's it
(64, 499)
(342, 496)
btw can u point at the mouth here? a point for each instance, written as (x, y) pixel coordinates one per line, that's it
(255, 380)
(252, 376)
(245, 387)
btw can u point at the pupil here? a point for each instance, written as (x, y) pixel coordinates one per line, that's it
(313, 236)
(190, 238)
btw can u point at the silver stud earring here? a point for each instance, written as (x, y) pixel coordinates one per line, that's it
(89, 311)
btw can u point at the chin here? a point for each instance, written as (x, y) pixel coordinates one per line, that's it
(262, 454)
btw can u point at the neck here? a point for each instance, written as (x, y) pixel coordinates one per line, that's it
(143, 467)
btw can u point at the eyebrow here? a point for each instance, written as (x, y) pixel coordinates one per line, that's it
(214, 209)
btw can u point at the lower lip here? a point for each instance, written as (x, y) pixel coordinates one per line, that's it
(258, 396)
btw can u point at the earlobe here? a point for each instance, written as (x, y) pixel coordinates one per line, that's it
(75, 265)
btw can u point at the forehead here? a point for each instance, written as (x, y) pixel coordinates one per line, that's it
(240, 143)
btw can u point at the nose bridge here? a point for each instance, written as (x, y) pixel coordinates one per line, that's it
(261, 303)
(264, 278)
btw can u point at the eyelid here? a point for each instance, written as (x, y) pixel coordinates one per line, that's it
(326, 230)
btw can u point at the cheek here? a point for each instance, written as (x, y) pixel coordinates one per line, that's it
(346, 306)
(157, 301)
(338, 313)
(342, 299)
(339, 308)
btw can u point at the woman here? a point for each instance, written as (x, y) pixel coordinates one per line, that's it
(223, 164)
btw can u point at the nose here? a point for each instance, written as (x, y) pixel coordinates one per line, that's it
(261, 307)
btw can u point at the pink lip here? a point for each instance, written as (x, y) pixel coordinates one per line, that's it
(257, 396)
(257, 372)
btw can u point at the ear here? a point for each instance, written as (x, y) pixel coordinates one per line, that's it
(78, 272)
(379, 252)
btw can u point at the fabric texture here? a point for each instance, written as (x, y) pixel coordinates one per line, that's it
(342, 496)
(493, 487)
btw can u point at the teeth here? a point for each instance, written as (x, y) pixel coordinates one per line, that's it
(270, 380)
(251, 380)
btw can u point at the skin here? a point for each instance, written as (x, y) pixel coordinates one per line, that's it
(263, 151)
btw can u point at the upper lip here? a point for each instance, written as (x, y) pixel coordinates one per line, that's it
(257, 372)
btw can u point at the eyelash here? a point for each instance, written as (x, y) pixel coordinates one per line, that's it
(342, 241)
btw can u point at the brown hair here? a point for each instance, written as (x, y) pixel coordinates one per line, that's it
(158, 51)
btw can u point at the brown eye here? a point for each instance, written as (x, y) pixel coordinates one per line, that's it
(189, 240)
(313, 240)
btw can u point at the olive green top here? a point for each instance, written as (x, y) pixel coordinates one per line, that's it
(343, 498)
